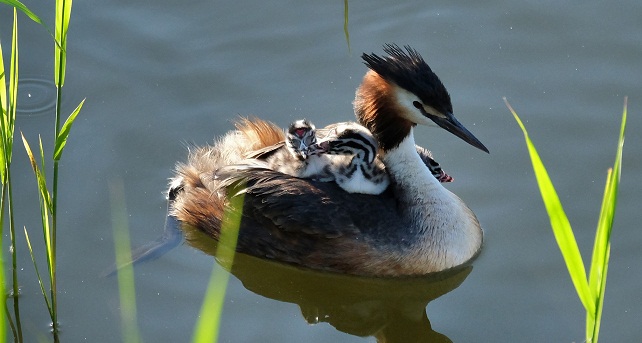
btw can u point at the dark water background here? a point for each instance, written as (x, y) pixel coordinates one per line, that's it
(158, 74)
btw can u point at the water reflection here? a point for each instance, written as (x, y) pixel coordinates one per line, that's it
(392, 310)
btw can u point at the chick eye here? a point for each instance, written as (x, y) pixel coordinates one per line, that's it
(417, 105)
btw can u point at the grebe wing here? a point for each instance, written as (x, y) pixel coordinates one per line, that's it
(289, 203)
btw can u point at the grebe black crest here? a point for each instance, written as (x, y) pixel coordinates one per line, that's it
(415, 227)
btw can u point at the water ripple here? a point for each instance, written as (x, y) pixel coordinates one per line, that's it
(35, 96)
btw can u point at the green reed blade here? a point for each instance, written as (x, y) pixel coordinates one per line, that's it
(4, 110)
(45, 209)
(3, 298)
(63, 13)
(24, 9)
(42, 181)
(559, 222)
(607, 212)
(42, 159)
(207, 327)
(8, 120)
(602, 245)
(3, 173)
(9, 117)
(3, 88)
(61, 140)
(35, 265)
(345, 23)
(125, 274)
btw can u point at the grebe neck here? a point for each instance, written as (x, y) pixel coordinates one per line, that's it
(449, 232)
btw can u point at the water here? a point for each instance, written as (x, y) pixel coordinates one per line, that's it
(158, 75)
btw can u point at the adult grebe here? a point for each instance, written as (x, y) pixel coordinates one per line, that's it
(416, 227)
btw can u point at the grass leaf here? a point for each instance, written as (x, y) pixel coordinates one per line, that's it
(602, 245)
(63, 13)
(9, 108)
(3, 298)
(126, 287)
(207, 328)
(345, 23)
(42, 182)
(3, 87)
(559, 222)
(61, 140)
(19, 5)
(4, 110)
(35, 265)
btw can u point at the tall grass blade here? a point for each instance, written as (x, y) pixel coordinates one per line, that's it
(559, 222)
(3, 298)
(7, 127)
(4, 106)
(35, 265)
(45, 209)
(4, 112)
(40, 178)
(61, 140)
(126, 287)
(207, 328)
(345, 23)
(3, 172)
(607, 212)
(602, 245)
(9, 103)
(24, 9)
(63, 13)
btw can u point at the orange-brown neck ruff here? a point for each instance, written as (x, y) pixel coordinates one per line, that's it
(377, 109)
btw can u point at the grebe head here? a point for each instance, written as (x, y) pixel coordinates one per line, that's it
(400, 91)
(301, 135)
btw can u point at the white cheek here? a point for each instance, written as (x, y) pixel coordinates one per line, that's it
(406, 99)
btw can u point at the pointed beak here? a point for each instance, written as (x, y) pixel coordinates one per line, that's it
(452, 125)
(303, 150)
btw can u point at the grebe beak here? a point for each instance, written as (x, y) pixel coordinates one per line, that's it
(303, 150)
(452, 125)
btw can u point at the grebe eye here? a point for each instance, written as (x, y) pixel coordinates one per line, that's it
(417, 105)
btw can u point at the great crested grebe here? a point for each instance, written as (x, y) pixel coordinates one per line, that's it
(414, 228)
